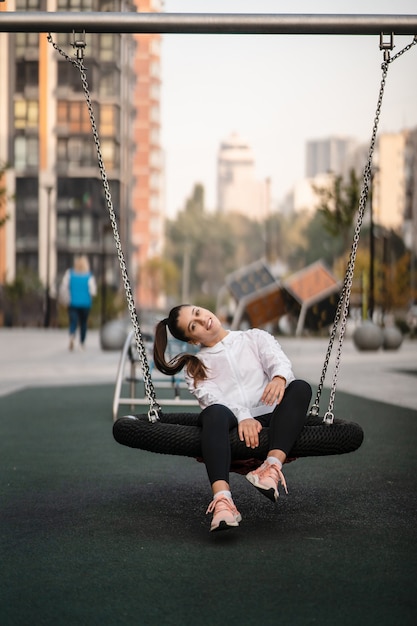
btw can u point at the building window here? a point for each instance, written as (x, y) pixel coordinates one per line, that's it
(28, 5)
(155, 114)
(27, 261)
(109, 47)
(26, 42)
(73, 117)
(110, 153)
(75, 5)
(80, 230)
(154, 181)
(155, 47)
(155, 160)
(68, 76)
(77, 195)
(154, 203)
(109, 120)
(77, 230)
(155, 91)
(155, 226)
(26, 114)
(109, 5)
(26, 75)
(26, 152)
(109, 83)
(154, 135)
(155, 69)
(76, 152)
(156, 5)
(26, 210)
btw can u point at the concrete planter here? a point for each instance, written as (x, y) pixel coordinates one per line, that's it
(368, 336)
(392, 338)
(113, 335)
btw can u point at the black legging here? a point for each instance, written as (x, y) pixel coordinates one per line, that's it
(285, 424)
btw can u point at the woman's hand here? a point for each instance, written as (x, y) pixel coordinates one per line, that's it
(274, 391)
(249, 430)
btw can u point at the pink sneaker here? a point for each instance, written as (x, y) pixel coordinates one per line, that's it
(225, 514)
(266, 479)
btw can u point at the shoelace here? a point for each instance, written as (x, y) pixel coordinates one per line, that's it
(222, 503)
(280, 478)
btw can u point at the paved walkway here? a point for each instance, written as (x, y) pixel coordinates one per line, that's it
(40, 357)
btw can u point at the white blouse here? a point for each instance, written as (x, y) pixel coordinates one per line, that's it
(239, 367)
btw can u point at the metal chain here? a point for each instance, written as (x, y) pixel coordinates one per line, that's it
(343, 304)
(78, 62)
(405, 49)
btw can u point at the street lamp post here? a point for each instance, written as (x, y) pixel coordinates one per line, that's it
(371, 304)
(371, 257)
(47, 319)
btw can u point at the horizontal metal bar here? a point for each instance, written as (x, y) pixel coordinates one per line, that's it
(243, 24)
(164, 402)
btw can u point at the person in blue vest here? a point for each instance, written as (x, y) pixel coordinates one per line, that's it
(79, 287)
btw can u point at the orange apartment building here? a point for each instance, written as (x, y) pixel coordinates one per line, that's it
(56, 204)
(148, 222)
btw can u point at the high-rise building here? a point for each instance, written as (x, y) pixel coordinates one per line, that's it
(328, 155)
(389, 184)
(238, 189)
(147, 199)
(57, 206)
(395, 184)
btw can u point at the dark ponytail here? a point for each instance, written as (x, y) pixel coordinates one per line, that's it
(193, 365)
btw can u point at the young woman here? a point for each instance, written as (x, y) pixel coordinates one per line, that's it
(243, 379)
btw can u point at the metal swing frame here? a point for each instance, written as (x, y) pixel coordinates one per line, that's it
(224, 24)
(207, 23)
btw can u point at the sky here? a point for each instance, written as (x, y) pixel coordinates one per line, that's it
(275, 91)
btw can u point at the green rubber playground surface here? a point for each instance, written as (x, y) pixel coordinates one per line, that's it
(94, 533)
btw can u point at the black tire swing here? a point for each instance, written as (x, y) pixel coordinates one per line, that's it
(178, 433)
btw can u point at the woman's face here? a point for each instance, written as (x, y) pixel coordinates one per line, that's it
(200, 325)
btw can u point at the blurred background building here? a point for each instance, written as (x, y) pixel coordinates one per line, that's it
(56, 205)
(328, 155)
(394, 178)
(238, 188)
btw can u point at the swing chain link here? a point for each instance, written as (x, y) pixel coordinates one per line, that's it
(78, 62)
(403, 50)
(342, 310)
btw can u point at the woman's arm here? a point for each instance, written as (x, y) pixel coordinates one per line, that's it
(272, 357)
(92, 286)
(208, 393)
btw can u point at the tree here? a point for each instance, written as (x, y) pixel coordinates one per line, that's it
(319, 243)
(338, 205)
(392, 271)
(205, 247)
(161, 276)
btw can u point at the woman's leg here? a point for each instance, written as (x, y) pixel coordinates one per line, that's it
(83, 317)
(288, 419)
(73, 319)
(216, 422)
(285, 424)
(73, 322)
